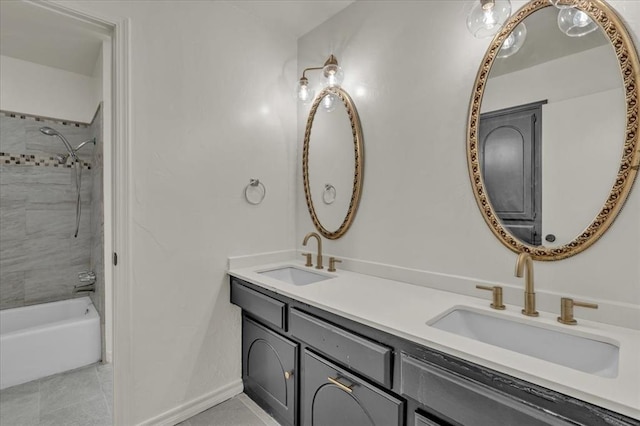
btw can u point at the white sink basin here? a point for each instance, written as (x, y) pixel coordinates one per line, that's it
(295, 276)
(588, 354)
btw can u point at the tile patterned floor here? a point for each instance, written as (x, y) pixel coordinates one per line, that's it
(237, 411)
(82, 397)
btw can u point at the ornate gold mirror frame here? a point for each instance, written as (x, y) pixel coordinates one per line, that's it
(614, 29)
(358, 146)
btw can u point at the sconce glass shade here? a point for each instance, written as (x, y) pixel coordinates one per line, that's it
(562, 4)
(328, 102)
(575, 23)
(333, 75)
(487, 16)
(512, 44)
(304, 93)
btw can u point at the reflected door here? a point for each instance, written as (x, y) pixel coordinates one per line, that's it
(510, 158)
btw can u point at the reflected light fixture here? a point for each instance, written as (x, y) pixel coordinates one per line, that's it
(562, 4)
(575, 23)
(333, 76)
(512, 44)
(487, 16)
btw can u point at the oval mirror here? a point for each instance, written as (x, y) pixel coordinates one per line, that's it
(552, 143)
(332, 162)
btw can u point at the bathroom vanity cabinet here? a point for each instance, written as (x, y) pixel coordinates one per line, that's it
(306, 366)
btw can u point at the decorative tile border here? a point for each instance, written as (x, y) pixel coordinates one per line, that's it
(43, 119)
(34, 160)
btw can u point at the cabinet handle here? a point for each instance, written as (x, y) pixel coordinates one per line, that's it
(288, 374)
(340, 385)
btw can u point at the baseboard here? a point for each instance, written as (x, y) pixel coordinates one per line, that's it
(195, 406)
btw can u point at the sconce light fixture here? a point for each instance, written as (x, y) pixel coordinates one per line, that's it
(333, 76)
(487, 16)
(514, 42)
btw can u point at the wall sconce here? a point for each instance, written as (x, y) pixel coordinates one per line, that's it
(333, 76)
(487, 16)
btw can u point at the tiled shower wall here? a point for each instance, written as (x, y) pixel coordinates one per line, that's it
(39, 257)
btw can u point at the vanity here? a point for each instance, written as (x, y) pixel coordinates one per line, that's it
(326, 347)
(373, 351)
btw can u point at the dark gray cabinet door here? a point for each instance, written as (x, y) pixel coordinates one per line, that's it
(510, 159)
(268, 370)
(333, 397)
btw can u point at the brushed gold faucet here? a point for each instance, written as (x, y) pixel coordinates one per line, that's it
(319, 257)
(525, 260)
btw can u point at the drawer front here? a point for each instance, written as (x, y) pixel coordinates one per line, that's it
(465, 401)
(269, 364)
(421, 420)
(357, 353)
(259, 305)
(333, 397)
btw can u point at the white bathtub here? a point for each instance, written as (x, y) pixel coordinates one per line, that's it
(41, 340)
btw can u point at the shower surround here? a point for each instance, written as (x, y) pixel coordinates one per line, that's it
(39, 257)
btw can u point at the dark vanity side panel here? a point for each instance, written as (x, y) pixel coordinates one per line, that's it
(362, 355)
(442, 391)
(259, 305)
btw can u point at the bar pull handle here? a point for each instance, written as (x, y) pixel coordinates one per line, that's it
(348, 389)
(497, 296)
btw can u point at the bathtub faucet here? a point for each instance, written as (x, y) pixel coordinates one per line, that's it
(87, 277)
(85, 288)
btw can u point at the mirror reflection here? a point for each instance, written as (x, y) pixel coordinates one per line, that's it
(551, 130)
(332, 162)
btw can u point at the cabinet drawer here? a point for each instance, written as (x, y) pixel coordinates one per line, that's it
(259, 305)
(333, 397)
(362, 355)
(465, 401)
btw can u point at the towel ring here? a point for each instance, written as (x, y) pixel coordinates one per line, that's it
(329, 193)
(255, 192)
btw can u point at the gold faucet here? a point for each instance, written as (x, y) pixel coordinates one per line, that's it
(524, 259)
(317, 237)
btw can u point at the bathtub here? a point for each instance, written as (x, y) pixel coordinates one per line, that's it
(40, 340)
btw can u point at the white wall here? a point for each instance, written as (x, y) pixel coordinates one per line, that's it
(211, 108)
(411, 78)
(35, 89)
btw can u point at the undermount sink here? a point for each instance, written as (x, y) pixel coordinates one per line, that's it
(295, 276)
(580, 353)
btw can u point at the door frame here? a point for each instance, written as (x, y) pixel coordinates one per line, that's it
(115, 33)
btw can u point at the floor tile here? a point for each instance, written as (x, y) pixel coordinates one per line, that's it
(19, 405)
(67, 389)
(230, 413)
(87, 413)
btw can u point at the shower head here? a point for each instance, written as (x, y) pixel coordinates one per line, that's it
(52, 132)
(49, 131)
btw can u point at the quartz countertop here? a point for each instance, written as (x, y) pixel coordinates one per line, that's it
(404, 309)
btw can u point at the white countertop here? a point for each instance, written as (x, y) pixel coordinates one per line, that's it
(403, 309)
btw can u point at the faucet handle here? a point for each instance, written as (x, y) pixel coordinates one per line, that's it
(308, 258)
(497, 296)
(332, 264)
(566, 310)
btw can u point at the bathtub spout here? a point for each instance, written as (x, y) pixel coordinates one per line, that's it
(84, 288)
